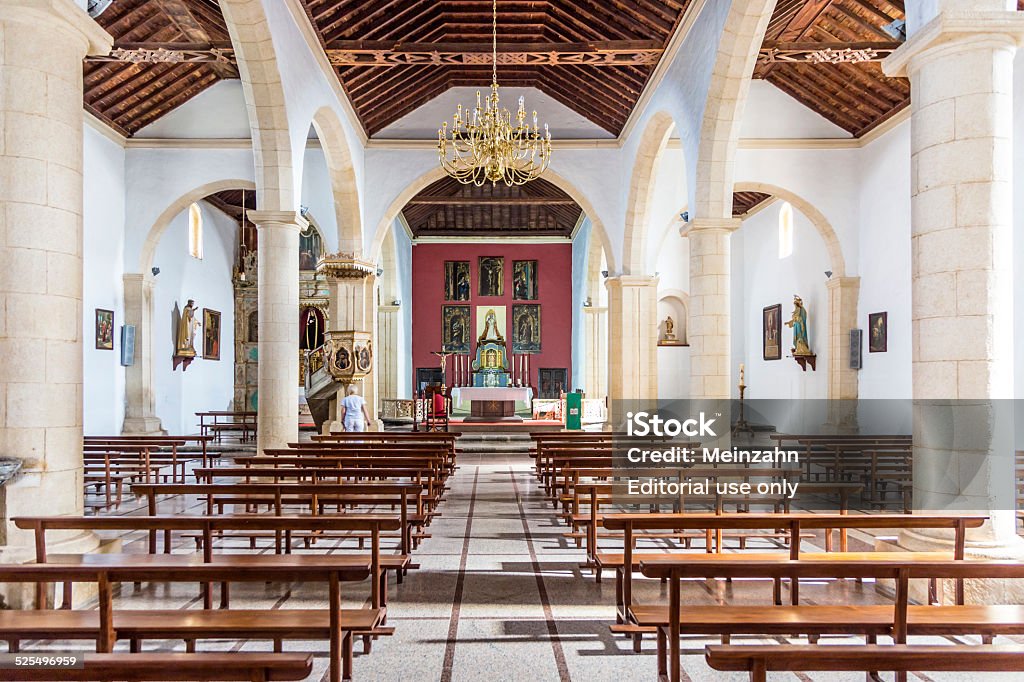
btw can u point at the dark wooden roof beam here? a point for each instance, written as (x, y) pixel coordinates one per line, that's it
(429, 200)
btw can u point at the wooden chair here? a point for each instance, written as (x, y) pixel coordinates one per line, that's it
(438, 408)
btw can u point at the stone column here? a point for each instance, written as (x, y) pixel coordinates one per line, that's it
(140, 407)
(388, 320)
(960, 65)
(352, 283)
(278, 291)
(595, 326)
(708, 330)
(42, 44)
(842, 380)
(632, 341)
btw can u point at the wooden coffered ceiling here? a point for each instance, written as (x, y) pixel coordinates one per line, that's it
(855, 96)
(533, 34)
(594, 56)
(447, 208)
(128, 96)
(745, 203)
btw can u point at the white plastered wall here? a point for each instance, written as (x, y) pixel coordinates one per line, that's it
(206, 384)
(102, 267)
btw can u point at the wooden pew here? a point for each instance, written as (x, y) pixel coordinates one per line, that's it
(160, 667)
(105, 625)
(210, 528)
(161, 441)
(759, 660)
(311, 495)
(794, 524)
(898, 621)
(243, 421)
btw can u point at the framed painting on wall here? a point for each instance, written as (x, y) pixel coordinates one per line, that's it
(211, 334)
(771, 323)
(492, 275)
(455, 326)
(104, 329)
(524, 280)
(878, 332)
(456, 280)
(526, 328)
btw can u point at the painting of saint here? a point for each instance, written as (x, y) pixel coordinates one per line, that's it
(492, 276)
(878, 332)
(526, 328)
(343, 359)
(524, 280)
(310, 248)
(104, 329)
(456, 280)
(770, 324)
(364, 358)
(455, 329)
(211, 334)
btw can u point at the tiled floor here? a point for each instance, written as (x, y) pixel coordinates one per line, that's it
(499, 595)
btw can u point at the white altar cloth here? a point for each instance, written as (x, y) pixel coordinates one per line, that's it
(471, 393)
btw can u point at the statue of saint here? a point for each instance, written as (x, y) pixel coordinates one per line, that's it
(670, 326)
(490, 327)
(187, 328)
(798, 322)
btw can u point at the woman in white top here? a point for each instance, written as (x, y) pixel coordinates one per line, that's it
(353, 411)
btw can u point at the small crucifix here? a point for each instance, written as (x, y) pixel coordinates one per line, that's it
(443, 354)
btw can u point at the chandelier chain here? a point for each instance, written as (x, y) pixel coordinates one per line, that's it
(491, 144)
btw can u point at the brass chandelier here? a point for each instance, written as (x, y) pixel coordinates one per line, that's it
(487, 147)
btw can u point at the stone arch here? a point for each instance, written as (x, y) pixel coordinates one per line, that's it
(156, 231)
(828, 235)
(727, 95)
(641, 191)
(344, 186)
(437, 173)
(266, 103)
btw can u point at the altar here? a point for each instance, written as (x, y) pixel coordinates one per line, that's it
(492, 402)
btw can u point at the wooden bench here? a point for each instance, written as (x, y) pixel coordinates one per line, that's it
(406, 496)
(210, 528)
(759, 660)
(898, 620)
(172, 668)
(243, 421)
(105, 626)
(794, 524)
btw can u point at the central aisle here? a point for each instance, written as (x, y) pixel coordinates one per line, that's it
(499, 591)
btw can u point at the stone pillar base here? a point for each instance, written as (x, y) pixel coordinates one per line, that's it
(143, 426)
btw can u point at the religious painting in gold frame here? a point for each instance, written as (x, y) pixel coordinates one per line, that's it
(878, 332)
(526, 328)
(524, 280)
(771, 324)
(491, 273)
(455, 329)
(211, 334)
(104, 329)
(456, 280)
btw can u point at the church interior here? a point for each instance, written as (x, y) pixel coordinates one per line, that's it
(512, 340)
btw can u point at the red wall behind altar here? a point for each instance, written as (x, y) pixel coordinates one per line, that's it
(554, 286)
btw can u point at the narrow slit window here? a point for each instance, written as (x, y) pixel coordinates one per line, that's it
(785, 230)
(195, 231)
